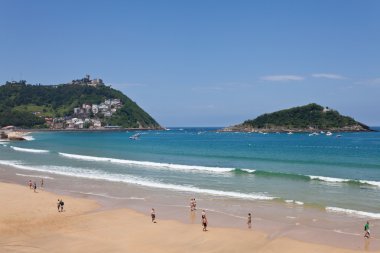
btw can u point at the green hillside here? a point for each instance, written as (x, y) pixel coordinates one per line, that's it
(26, 105)
(308, 117)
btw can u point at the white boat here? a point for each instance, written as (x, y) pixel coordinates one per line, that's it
(135, 136)
(329, 133)
(290, 132)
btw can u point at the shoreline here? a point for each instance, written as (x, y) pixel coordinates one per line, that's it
(84, 226)
(167, 212)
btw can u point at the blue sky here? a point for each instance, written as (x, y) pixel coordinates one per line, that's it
(203, 63)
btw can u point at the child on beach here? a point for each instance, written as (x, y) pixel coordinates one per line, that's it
(30, 184)
(58, 205)
(153, 215)
(35, 187)
(367, 231)
(249, 222)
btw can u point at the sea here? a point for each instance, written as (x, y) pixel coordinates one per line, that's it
(227, 172)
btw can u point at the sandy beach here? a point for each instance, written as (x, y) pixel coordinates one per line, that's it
(30, 222)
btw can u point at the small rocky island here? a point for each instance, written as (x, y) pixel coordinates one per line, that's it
(308, 118)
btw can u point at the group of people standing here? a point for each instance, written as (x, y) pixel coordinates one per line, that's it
(193, 204)
(34, 185)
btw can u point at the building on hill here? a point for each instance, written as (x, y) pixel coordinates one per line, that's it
(88, 81)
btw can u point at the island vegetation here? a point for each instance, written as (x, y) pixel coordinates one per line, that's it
(308, 118)
(83, 103)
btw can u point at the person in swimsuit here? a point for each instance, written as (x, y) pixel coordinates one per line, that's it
(58, 205)
(61, 203)
(249, 222)
(153, 215)
(30, 184)
(204, 220)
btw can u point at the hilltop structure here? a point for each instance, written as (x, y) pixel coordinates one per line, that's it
(88, 81)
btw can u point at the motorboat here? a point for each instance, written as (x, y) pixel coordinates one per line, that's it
(135, 136)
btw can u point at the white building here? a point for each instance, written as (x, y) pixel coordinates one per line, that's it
(76, 110)
(95, 109)
(107, 114)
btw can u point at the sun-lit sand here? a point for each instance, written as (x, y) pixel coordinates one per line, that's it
(30, 222)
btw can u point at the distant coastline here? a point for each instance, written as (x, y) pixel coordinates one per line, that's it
(241, 128)
(89, 130)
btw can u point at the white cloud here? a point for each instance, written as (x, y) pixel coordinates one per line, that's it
(370, 82)
(375, 81)
(328, 76)
(281, 78)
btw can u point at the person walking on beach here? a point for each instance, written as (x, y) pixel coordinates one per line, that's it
(194, 204)
(191, 205)
(204, 220)
(153, 215)
(35, 187)
(249, 222)
(42, 183)
(367, 231)
(30, 184)
(61, 203)
(58, 205)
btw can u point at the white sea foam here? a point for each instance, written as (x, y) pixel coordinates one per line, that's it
(167, 166)
(375, 183)
(343, 180)
(30, 150)
(248, 170)
(28, 137)
(353, 212)
(290, 201)
(105, 195)
(92, 174)
(38, 176)
(329, 179)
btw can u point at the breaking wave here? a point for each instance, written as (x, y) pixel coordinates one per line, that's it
(353, 212)
(30, 150)
(99, 175)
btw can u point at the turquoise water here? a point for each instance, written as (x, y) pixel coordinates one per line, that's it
(341, 174)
